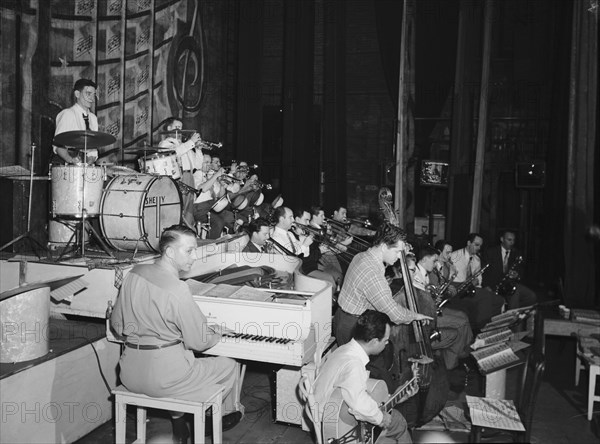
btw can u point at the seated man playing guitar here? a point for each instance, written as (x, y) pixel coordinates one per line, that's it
(341, 388)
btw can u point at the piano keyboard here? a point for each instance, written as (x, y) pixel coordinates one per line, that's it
(255, 338)
(264, 349)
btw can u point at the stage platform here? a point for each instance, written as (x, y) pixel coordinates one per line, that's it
(65, 394)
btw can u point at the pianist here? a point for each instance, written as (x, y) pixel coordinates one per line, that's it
(161, 325)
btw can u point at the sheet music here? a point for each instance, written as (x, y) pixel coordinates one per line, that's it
(494, 356)
(199, 288)
(69, 290)
(494, 413)
(491, 337)
(251, 294)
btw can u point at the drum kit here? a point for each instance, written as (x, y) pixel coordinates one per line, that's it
(133, 208)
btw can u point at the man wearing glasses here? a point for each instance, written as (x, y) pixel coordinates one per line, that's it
(78, 117)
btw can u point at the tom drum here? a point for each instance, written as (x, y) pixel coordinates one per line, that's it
(161, 164)
(135, 209)
(76, 188)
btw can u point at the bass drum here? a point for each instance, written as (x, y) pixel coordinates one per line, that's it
(135, 209)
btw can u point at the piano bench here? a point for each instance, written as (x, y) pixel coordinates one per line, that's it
(213, 398)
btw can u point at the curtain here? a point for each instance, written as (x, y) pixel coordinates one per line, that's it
(580, 261)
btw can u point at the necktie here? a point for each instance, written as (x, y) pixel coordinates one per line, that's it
(505, 261)
(86, 119)
(469, 272)
(291, 242)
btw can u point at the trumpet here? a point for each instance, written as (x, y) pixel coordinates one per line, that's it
(229, 178)
(206, 145)
(266, 186)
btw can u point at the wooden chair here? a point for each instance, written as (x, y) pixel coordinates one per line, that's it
(587, 359)
(213, 398)
(310, 406)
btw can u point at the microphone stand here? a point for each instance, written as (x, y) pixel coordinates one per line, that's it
(27, 235)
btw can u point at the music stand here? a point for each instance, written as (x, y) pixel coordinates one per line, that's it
(27, 235)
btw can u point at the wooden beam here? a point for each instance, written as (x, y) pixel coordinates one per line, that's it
(483, 113)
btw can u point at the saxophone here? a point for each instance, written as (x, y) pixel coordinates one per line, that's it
(387, 207)
(507, 285)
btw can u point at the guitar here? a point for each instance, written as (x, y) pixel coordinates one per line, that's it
(340, 426)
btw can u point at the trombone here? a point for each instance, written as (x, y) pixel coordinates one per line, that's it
(342, 228)
(320, 235)
(462, 288)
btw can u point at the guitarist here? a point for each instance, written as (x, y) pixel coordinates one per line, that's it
(345, 369)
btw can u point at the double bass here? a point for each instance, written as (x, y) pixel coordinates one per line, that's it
(412, 343)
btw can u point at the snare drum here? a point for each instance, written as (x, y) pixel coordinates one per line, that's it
(135, 210)
(76, 188)
(161, 164)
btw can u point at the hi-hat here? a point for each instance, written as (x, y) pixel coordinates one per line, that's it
(178, 131)
(84, 139)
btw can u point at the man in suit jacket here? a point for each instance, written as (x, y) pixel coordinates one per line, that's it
(258, 230)
(484, 304)
(502, 260)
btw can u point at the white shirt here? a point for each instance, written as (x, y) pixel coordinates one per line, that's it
(345, 369)
(190, 159)
(421, 278)
(199, 178)
(289, 241)
(462, 261)
(71, 119)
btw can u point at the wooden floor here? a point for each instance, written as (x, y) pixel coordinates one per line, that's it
(560, 413)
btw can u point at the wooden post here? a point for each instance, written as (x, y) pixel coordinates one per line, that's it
(402, 116)
(483, 112)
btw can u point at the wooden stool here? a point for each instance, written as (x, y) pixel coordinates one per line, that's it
(594, 371)
(213, 398)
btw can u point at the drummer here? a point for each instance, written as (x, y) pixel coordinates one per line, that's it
(190, 159)
(78, 117)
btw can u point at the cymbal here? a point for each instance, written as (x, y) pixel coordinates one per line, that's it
(179, 131)
(85, 138)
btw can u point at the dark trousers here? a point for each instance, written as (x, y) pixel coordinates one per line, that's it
(217, 220)
(343, 326)
(479, 307)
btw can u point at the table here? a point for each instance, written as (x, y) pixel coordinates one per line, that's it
(566, 327)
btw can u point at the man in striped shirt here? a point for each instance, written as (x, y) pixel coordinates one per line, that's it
(366, 288)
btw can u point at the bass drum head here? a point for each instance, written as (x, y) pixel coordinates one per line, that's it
(135, 210)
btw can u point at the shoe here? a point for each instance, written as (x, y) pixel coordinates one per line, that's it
(228, 422)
